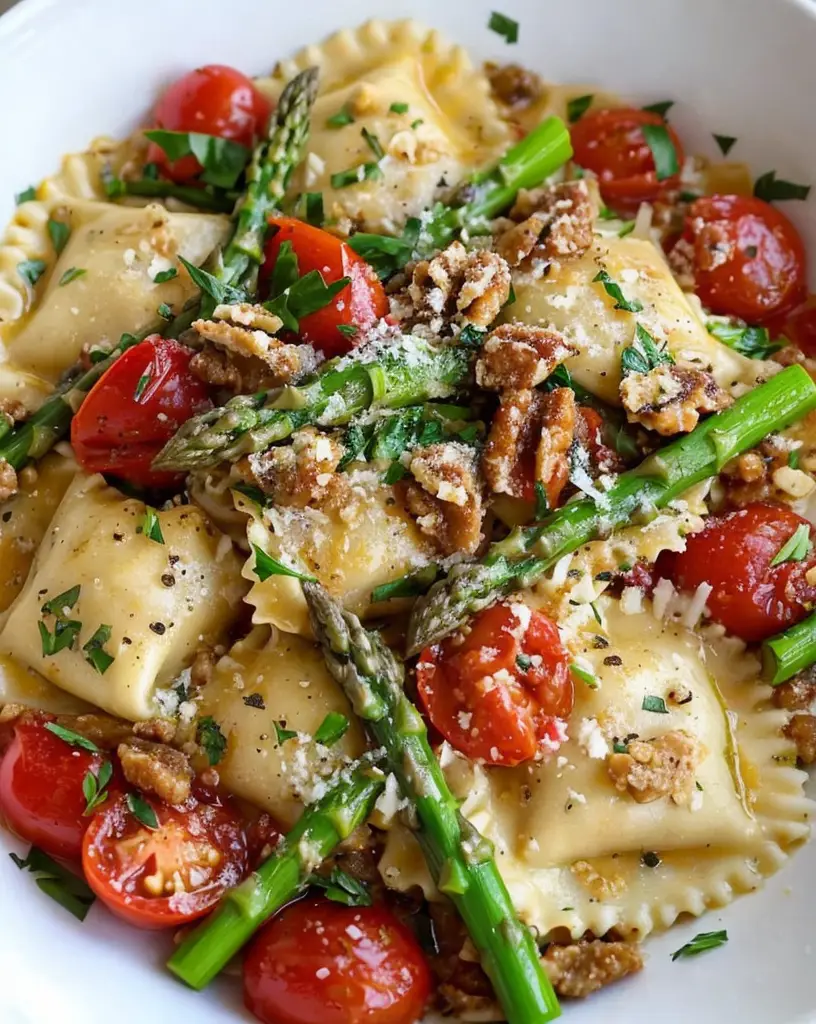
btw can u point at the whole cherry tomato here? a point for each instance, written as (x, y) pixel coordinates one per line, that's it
(41, 798)
(749, 260)
(166, 876)
(214, 100)
(359, 305)
(134, 409)
(733, 553)
(501, 692)
(611, 143)
(323, 963)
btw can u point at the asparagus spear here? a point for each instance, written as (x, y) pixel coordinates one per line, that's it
(460, 859)
(219, 201)
(409, 372)
(527, 553)
(789, 652)
(207, 950)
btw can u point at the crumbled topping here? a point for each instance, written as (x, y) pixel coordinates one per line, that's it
(516, 356)
(514, 87)
(8, 481)
(446, 496)
(469, 287)
(301, 473)
(669, 399)
(661, 767)
(584, 967)
(802, 730)
(553, 223)
(156, 768)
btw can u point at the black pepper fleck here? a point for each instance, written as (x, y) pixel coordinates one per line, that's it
(158, 628)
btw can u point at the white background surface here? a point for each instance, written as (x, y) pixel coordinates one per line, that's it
(72, 69)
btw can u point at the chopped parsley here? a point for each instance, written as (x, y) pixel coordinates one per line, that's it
(71, 274)
(700, 943)
(342, 888)
(58, 233)
(796, 548)
(340, 119)
(74, 739)
(31, 271)
(793, 458)
(217, 290)
(504, 26)
(223, 160)
(523, 662)
(662, 108)
(770, 188)
(577, 107)
(151, 526)
(93, 787)
(645, 354)
(333, 728)
(139, 390)
(350, 330)
(753, 342)
(417, 123)
(63, 638)
(266, 566)
(385, 253)
(354, 175)
(542, 502)
(164, 311)
(620, 748)
(63, 886)
(655, 704)
(62, 603)
(627, 229)
(95, 653)
(373, 143)
(585, 676)
(165, 275)
(26, 196)
(725, 142)
(613, 290)
(282, 734)
(210, 737)
(313, 208)
(664, 154)
(399, 108)
(295, 297)
(142, 811)
(396, 471)
(411, 585)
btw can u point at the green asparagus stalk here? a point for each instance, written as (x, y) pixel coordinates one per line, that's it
(321, 827)
(789, 652)
(527, 553)
(408, 372)
(460, 859)
(219, 201)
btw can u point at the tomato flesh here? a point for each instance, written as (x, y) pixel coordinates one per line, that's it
(214, 100)
(749, 260)
(169, 876)
(359, 305)
(800, 328)
(41, 796)
(134, 409)
(733, 554)
(501, 692)
(612, 145)
(323, 963)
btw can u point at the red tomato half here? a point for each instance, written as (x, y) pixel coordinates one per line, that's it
(501, 692)
(612, 145)
(213, 100)
(360, 304)
(41, 789)
(169, 876)
(800, 328)
(733, 554)
(749, 260)
(135, 408)
(323, 963)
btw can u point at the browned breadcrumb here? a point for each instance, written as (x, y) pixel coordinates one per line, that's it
(8, 481)
(750, 477)
(519, 356)
(802, 730)
(445, 496)
(530, 435)
(469, 286)
(553, 222)
(582, 968)
(157, 769)
(797, 694)
(513, 86)
(12, 411)
(669, 399)
(661, 767)
(301, 473)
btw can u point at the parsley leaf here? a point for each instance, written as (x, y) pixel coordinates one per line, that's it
(26, 196)
(644, 354)
(282, 734)
(523, 662)
(654, 704)
(333, 727)
(93, 787)
(661, 144)
(585, 676)
(165, 275)
(222, 159)
(266, 566)
(700, 943)
(31, 271)
(64, 636)
(71, 274)
(396, 471)
(662, 108)
(399, 108)
(63, 886)
(313, 212)
(307, 295)
(142, 811)
(770, 188)
(217, 290)
(340, 119)
(74, 739)
(59, 234)
(542, 503)
(577, 107)
(343, 888)
(613, 290)
(350, 330)
(411, 585)
(151, 526)
(95, 654)
(796, 548)
(62, 603)
(386, 254)
(373, 143)
(504, 26)
(725, 142)
(754, 342)
(210, 737)
(793, 458)
(354, 175)
(163, 310)
(139, 390)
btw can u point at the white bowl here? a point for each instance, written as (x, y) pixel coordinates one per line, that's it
(73, 70)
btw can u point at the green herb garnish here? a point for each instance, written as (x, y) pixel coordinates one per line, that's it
(576, 108)
(700, 943)
(71, 274)
(660, 143)
(63, 638)
(417, 123)
(223, 160)
(142, 811)
(164, 311)
(210, 737)
(662, 108)
(165, 275)
(151, 526)
(62, 603)
(542, 502)
(93, 787)
(373, 143)
(793, 458)
(770, 188)
(26, 196)
(59, 234)
(399, 108)
(725, 142)
(796, 548)
(654, 704)
(350, 330)
(411, 585)
(282, 734)
(340, 119)
(75, 739)
(31, 270)
(313, 208)
(644, 355)
(266, 566)
(95, 654)
(217, 290)
(586, 677)
(141, 385)
(504, 26)
(754, 342)
(354, 175)
(333, 727)
(342, 888)
(613, 290)
(63, 886)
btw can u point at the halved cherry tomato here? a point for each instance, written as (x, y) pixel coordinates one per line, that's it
(749, 260)
(733, 554)
(323, 963)
(360, 304)
(41, 796)
(800, 328)
(169, 876)
(501, 692)
(612, 145)
(135, 408)
(213, 100)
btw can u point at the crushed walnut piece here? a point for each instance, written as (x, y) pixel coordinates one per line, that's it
(553, 223)
(159, 730)
(8, 481)
(469, 286)
(156, 768)
(797, 694)
(802, 730)
(600, 887)
(518, 356)
(530, 437)
(445, 496)
(652, 769)
(669, 399)
(300, 473)
(582, 968)
(750, 476)
(514, 87)
(12, 411)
